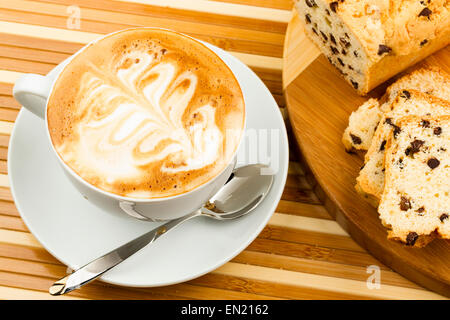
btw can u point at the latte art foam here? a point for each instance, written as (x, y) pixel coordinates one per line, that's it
(146, 113)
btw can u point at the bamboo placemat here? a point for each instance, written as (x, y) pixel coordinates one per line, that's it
(301, 254)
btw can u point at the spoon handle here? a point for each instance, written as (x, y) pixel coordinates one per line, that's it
(97, 267)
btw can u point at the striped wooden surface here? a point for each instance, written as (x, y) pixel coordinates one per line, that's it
(301, 254)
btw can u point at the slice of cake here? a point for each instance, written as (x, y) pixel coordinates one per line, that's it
(370, 181)
(430, 80)
(359, 133)
(361, 126)
(415, 204)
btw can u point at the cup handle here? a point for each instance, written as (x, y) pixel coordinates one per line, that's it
(32, 91)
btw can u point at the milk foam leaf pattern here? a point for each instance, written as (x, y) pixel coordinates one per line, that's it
(138, 117)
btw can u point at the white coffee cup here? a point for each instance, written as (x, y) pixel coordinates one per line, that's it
(32, 92)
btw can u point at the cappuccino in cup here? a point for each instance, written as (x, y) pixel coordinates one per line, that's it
(146, 113)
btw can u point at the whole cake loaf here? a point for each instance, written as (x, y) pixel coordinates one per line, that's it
(369, 41)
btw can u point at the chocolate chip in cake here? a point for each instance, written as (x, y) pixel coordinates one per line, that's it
(311, 3)
(354, 84)
(397, 130)
(414, 148)
(443, 217)
(405, 203)
(405, 94)
(382, 146)
(333, 6)
(324, 36)
(344, 42)
(411, 238)
(344, 52)
(355, 53)
(334, 50)
(416, 144)
(383, 49)
(433, 163)
(350, 67)
(425, 123)
(308, 18)
(437, 131)
(341, 62)
(315, 31)
(423, 42)
(421, 209)
(355, 139)
(400, 163)
(332, 38)
(426, 12)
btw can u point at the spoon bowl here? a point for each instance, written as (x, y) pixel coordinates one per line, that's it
(245, 189)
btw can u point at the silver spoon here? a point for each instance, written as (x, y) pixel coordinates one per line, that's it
(245, 189)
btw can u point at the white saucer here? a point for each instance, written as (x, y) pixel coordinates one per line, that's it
(76, 232)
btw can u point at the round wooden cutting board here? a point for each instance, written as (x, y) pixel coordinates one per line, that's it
(319, 103)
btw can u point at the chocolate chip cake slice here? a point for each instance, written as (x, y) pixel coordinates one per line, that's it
(362, 122)
(369, 41)
(431, 80)
(415, 204)
(370, 182)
